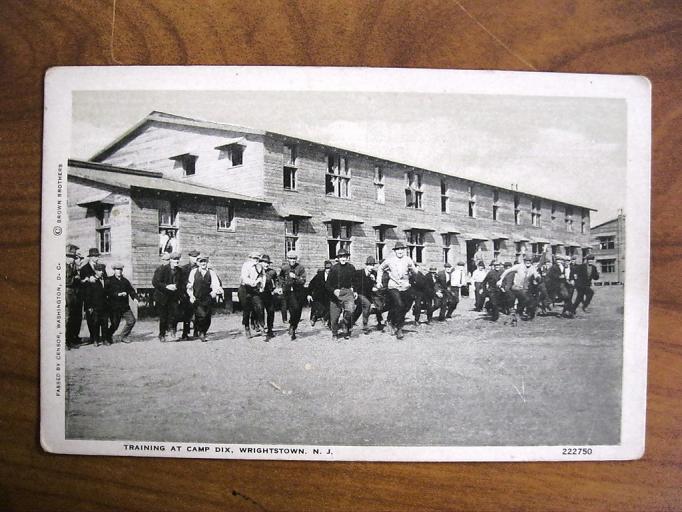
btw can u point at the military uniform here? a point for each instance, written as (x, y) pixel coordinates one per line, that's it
(119, 290)
(292, 279)
(167, 300)
(96, 307)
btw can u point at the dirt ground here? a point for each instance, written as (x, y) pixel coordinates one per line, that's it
(467, 381)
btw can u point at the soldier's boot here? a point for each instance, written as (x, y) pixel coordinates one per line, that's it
(247, 332)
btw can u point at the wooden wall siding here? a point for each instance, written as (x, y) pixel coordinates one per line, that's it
(152, 148)
(310, 194)
(256, 228)
(81, 228)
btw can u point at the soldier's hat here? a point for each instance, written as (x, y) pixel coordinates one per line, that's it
(343, 252)
(292, 254)
(202, 257)
(165, 256)
(447, 265)
(254, 255)
(175, 255)
(265, 258)
(433, 269)
(399, 245)
(93, 252)
(370, 260)
(193, 253)
(589, 257)
(507, 264)
(71, 250)
(116, 265)
(327, 264)
(100, 266)
(495, 262)
(460, 263)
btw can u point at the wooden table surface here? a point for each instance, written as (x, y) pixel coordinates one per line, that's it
(634, 37)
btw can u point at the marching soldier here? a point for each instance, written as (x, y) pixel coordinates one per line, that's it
(186, 307)
(450, 298)
(583, 275)
(398, 267)
(251, 285)
(524, 276)
(74, 303)
(365, 286)
(96, 311)
(340, 284)
(492, 290)
(477, 278)
(292, 279)
(203, 287)
(166, 282)
(267, 295)
(118, 290)
(87, 276)
(318, 295)
(423, 293)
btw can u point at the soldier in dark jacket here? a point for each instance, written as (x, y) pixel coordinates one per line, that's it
(340, 285)
(292, 279)
(87, 275)
(492, 291)
(318, 295)
(582, 275)
(267, 295)
(167, 281)
(450, 296)
(186, 309)
(96, 307)
(74, 302)
(365, 285)
(423, 291)
(119, 290)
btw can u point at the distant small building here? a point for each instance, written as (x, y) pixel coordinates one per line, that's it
(174, 183)
(608, 248)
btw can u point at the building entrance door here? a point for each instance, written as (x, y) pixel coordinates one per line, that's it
(472, 247)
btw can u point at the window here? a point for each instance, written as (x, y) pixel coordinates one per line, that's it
(496, 248)
(569, 218)
(104, 229)
(585, 252)
(380, 242)
(186, 162)
(444, 199)
(290, 235)
(447, 241)
(553, 216)
(496, 206)
(536, 207)
(413, 190)
(608, 266)
(379, 196)
(520, 249)
(537, 248)
(570, 251)
(472, 201)
(235, 154)
(517, 209)
(289, 166)
(583, 222)
(338, 176)
(168, 214)
(338, 237)
(225, 218)
(607, 242)
(415, 244)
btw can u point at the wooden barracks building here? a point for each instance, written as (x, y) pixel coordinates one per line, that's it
(227, 190)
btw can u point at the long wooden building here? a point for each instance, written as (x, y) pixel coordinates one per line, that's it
(228, 190)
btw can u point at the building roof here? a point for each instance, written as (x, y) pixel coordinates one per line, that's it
(163, 117)
(126, 178)
(605, 223)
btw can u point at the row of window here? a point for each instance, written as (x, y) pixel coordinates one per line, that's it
(233, 153)
(338, 178)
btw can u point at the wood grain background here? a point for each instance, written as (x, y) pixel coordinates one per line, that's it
(638, 37)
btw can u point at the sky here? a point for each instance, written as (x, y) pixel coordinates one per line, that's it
(569, 149)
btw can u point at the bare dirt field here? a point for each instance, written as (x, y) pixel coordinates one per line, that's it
(467, 381)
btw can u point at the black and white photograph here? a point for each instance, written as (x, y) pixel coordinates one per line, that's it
(337, 264)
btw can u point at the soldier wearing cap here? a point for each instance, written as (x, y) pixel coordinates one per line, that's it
(186, 308)
(252, 283)
(119, 291)
(398, 268)
(292, 279)
(424, 293)
(492, 290)
(477, 278)
(266, 294)
(203, 288)
(365, 285)
(449, 300)
(524, 276)
(559, 284)
(96, 306)
(318, 295)
(167, 282)
(74, 303)
(340, 286)
(582, 275)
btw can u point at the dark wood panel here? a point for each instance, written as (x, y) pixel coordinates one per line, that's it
(640, 37)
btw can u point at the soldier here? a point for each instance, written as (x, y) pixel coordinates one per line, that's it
(340, 284)
(292, 280)
(583, 275)
(166, 282)
(186, 308)
(318, 296)
(365, 285)
(525, 273)
(398, 266)
(559, 276)
(118, 290)
(477, 278)
(458, 281)
(251, 284)
(74, 303)
(508, 299)
(203, 287)
(423, 293)
(267, 294)
(96, 307)
(87, 276)
(450, 299)
(438, 293)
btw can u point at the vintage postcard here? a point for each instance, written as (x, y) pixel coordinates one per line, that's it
(344, 264)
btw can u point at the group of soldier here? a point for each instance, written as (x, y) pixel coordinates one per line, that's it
(338, 294)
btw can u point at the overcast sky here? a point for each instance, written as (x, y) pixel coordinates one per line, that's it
(570, 149)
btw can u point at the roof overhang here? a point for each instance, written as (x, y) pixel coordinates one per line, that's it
(419, 227)
(383, 223)
(239, 141)
(475, 236)
(292, 212)
(499, 236)
(103, 197)
(343, 217)
(521, 239)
